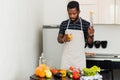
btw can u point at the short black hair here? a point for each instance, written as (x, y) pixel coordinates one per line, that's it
(73, 4)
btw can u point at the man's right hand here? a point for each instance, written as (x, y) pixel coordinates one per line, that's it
(66, 38)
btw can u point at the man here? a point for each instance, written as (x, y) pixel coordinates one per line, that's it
(81, 32)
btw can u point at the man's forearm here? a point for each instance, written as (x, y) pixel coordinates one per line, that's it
(90, 39)
(60, 38)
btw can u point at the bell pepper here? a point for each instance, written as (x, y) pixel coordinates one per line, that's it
(63, 72)
(76, 75)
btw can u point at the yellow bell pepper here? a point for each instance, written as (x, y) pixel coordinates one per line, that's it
(70, 36)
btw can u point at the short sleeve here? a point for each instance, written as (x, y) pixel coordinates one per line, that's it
(62, 28)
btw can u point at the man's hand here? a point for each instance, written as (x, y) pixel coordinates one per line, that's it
(90, 35)
(65, 38)
(90, 31)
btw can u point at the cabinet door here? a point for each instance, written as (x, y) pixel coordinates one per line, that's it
(117, 12)
(87, 6)
(87, 1)
(106, 12)
(85, 12)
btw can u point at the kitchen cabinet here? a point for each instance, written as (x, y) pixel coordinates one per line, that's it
(87, 1)
(85, 12)
(109, 13)
(117, 7)
(103, 11)
(87, 6)
(106, 12)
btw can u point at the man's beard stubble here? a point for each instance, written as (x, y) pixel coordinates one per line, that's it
(75, 19)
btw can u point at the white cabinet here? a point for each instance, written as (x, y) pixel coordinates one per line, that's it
(87, 1)
(103, 11)
(109, 12)
(85, 12)
(106, 12)
(117, 7)
(87, 6)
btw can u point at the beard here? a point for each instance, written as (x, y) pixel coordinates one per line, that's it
(74, 20)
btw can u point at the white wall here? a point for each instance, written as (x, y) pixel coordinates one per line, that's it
(54, 11)
(20, 38)
(109, 33)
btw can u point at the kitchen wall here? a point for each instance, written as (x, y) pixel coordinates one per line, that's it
(20, 38)
(54, 11)
(110, 33)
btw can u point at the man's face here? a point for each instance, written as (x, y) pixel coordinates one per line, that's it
(73, 14)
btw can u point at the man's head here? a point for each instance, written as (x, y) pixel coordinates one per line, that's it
(73, 10)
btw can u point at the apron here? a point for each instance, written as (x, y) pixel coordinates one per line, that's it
(73, 53)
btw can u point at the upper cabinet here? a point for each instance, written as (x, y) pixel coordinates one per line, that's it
(104, 12)
(87, 6)
(87, 1)
(117, 11)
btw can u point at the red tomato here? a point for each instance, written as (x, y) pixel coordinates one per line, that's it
(54, 71)
(71, 68)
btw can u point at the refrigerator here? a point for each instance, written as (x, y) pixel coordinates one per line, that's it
(52, 50)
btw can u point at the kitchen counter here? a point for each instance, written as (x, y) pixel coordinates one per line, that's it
(103, 57)
(34, 77)
(104, 61)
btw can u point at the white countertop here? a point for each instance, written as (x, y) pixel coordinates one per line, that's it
(103, 57)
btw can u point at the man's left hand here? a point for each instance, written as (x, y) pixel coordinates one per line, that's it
(91, 31)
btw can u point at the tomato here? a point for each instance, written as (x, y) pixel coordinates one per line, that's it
(71, 68)
(54, 71)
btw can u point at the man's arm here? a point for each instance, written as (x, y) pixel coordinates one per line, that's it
(60, 38)
(63, 38)
(90, 37)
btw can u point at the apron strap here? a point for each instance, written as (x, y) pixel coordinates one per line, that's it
(80, 24)
(68, 24)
